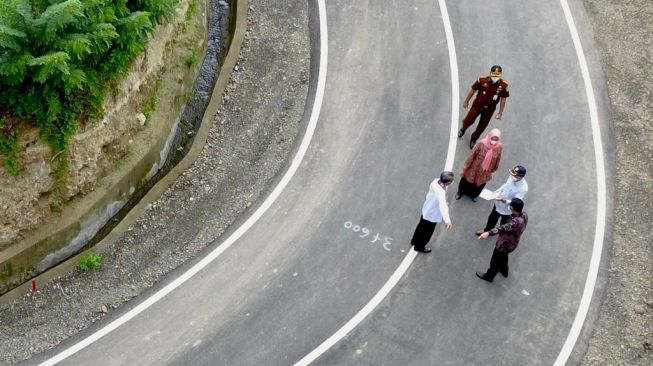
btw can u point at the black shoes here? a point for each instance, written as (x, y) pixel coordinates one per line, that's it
(475, 199)
(481, 275)
(472, 143)
(461, 133)
(423, 250)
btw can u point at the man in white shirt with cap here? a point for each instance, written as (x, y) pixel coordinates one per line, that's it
(515, 187)
(434, 210)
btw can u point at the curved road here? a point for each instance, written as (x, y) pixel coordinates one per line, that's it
(302, 271)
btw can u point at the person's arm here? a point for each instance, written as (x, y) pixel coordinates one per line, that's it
(499, 192)
(468, 97)
(444, 208)
(508, 227)
(502, 106)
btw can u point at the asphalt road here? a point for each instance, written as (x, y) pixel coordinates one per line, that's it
(302, 271)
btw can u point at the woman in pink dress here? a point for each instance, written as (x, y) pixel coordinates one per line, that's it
(482, 161)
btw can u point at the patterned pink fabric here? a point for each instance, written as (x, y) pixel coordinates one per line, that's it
(487, 141)
(473, 169)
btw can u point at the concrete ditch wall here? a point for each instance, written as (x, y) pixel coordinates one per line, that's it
(109, 159)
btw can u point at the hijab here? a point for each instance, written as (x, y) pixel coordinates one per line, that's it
(487, 160)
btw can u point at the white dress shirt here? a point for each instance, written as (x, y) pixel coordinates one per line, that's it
(435, 207)
(508, 191)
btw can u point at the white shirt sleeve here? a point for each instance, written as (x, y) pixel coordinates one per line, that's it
(444, 208)
(500, 190)
(435, 208)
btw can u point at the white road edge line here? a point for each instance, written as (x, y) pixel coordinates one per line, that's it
(410, 257)
(592, 273)
(455, 86)
(310, 130)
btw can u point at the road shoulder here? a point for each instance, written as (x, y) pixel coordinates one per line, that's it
(623, 34)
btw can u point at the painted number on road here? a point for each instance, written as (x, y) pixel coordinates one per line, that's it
(363, 232)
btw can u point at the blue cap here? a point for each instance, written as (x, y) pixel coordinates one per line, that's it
(518, 170)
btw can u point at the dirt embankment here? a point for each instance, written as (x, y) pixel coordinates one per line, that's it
(623, 32)
(27, 201)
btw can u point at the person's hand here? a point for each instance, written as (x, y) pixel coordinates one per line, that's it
(448, 225)
(483, 236)
(499, 115)
(465, 104)
(500, 199)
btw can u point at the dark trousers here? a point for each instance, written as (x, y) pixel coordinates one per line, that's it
(485, 111)
(494, 218)
(498, 263)
(469, 189)
(423, 233)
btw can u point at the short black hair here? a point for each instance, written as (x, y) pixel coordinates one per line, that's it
(496, 68)
(517, 204)
(446, 177)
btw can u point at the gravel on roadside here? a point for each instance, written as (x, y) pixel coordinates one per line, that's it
(253, 137)
(623, 333)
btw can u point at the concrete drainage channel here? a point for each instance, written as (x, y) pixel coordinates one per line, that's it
(186, 126)
(226, 28)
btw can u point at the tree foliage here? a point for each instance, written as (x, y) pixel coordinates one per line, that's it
(59, 58)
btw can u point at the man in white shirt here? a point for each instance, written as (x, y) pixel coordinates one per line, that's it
(435, 210)
(515, 187)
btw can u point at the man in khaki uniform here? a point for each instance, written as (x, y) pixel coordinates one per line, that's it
(490, 90)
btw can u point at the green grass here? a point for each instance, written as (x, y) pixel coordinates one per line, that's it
(192, 9)
(90, 261)
(59, 60)
(153, 100)
(192, 59)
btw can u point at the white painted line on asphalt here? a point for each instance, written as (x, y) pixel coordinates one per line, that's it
(593, 271)
(315, 113)
(455, 86)
(362, 314)
(410, 257)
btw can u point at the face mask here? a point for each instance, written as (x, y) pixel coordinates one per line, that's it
(495, 79)
(494, 142)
